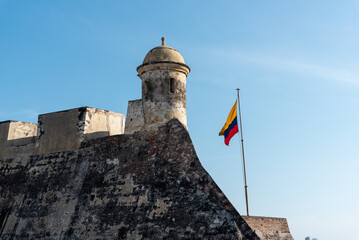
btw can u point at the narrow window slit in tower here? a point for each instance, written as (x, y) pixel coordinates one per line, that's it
(172, 88)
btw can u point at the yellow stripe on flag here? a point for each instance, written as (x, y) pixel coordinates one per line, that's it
(230, 118)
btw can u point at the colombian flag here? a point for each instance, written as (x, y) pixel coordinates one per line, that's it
(230, 128)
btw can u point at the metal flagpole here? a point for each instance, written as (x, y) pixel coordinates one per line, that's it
(244, 162)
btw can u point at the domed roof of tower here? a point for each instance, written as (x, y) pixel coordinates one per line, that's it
(163, 53)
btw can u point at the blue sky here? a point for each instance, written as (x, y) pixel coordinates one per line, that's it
(296, 63)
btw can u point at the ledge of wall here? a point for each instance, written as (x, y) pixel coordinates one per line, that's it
(147, 185)
(17, 138)
(58, 131)
(269, 228)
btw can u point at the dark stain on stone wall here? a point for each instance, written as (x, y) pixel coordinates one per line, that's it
(148, 185)
(158, 90)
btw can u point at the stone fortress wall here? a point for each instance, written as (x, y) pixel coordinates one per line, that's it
(163, 74)
(86, 173)
(146, 185)
(66, 131)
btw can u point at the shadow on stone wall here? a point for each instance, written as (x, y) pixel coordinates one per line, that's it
(147, 185)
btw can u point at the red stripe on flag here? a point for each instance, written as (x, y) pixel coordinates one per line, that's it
(233, 131)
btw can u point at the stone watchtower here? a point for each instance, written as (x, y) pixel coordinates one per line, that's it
(163, 74)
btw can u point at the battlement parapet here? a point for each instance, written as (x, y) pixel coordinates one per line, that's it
(58, 131)
(17, 138)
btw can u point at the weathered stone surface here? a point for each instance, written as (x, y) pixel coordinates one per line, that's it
(58, 131)
(163, 54)
(102, 123)
(164, 97)
(269, 228)
(163, 74)
(135, 119)
(17, 138)
(66, 130)
(148, 185)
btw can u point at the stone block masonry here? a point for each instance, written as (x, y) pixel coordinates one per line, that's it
(135, 119)
(17, 138)
(269, 228)
(147, 185)
(66, 130)
(58, 131)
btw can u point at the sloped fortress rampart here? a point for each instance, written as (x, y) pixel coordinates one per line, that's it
(85, 173)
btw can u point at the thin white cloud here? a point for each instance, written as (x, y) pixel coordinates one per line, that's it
(289, 65)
